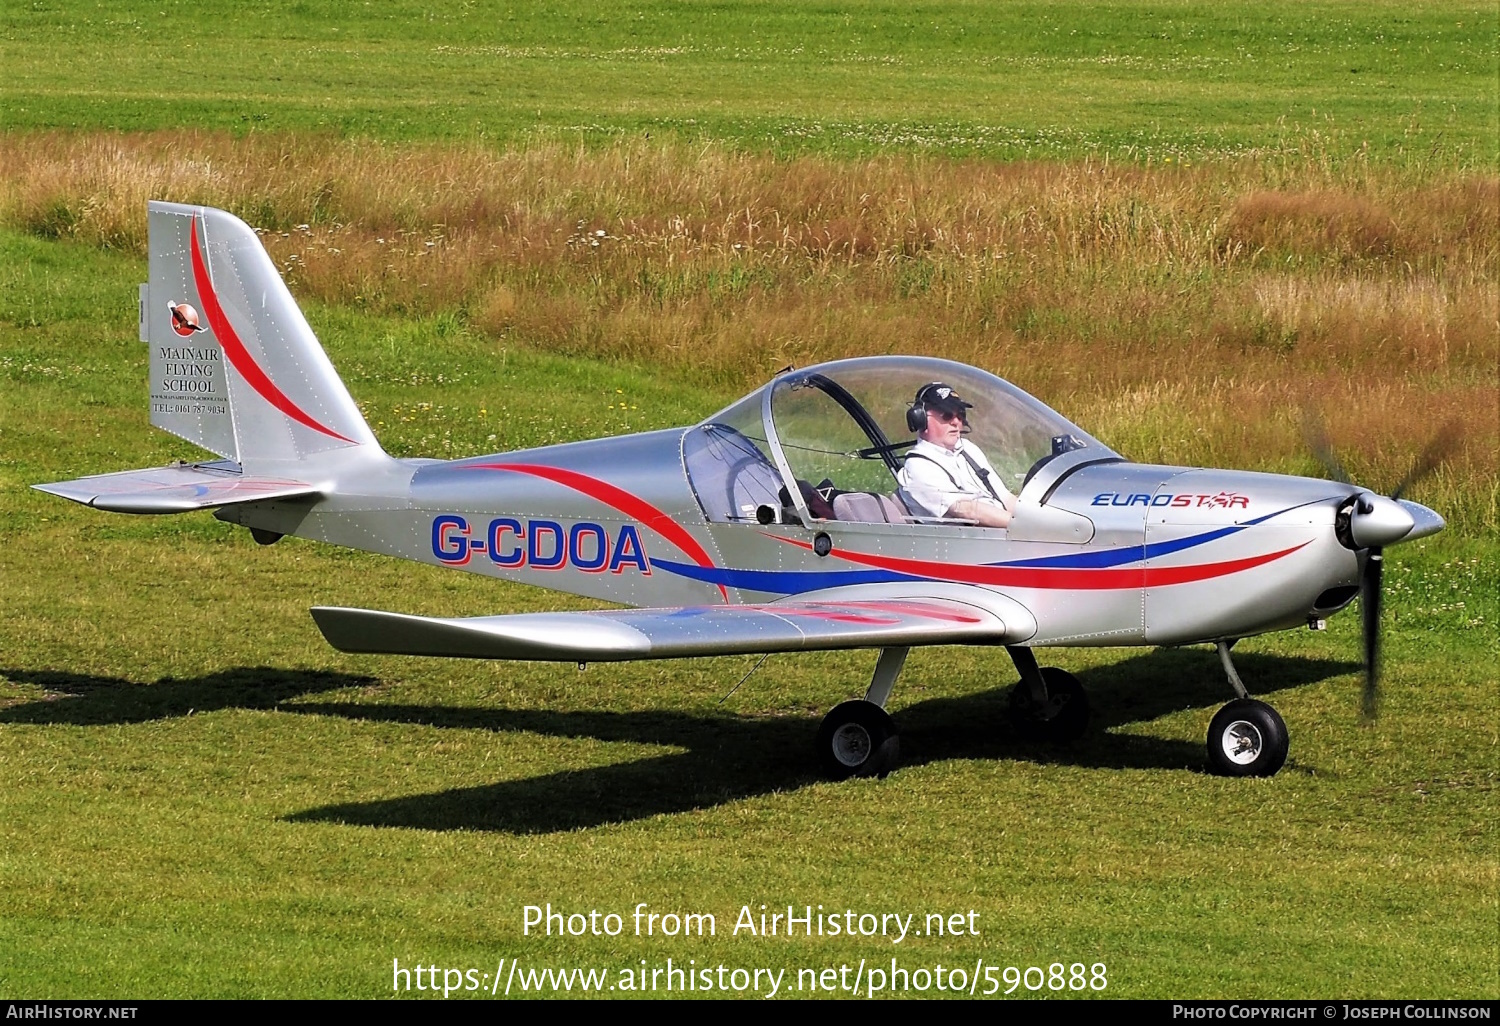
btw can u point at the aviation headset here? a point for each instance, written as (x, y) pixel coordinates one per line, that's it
(934, 392)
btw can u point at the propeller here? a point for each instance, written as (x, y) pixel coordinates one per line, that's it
(1442, 446)
(1369, 614)
(1370, 522)
(1316, 436)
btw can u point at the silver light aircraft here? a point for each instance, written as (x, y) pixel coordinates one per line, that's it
(778, 524)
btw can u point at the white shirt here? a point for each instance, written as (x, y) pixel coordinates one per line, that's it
(944, 477)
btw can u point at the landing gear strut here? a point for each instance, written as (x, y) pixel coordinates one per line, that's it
(858, 738)
(1247, 738)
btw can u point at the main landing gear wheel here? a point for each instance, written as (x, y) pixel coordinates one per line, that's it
(1062, 718)
(858, 739)
(1247, 739)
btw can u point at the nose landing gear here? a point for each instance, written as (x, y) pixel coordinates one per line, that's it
(1247, 738)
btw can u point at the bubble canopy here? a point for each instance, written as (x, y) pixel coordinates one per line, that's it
(845, 422)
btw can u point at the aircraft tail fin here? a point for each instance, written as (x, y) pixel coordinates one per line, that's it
(235, 368)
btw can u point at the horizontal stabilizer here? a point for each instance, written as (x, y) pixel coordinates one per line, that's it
(620, 634)
(179, 488)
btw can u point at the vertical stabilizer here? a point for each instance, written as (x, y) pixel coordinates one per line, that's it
(235, 368)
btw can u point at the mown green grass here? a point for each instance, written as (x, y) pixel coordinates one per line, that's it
(1412, 84)
(198, 797)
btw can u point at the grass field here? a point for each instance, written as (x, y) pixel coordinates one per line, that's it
(1405, 83)
(199, 798)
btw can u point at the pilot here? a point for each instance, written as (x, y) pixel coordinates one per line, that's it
(945, 474)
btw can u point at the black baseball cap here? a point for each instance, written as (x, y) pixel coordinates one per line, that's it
(938, 396)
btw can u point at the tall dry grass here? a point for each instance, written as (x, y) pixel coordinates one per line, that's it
(1184, 313)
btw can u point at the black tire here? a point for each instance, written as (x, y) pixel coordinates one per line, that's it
(858, 739)
(1247, 739)
(1065, 716)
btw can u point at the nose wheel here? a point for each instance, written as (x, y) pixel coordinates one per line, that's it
(1247, 739)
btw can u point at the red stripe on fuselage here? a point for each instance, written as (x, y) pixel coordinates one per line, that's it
(1054, 578)
(612, 495)
(239, 356)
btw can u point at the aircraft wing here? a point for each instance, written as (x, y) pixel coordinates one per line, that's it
(803, 624)
(179, 488)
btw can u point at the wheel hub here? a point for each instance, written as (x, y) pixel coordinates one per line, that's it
(851, 745)
(1242, 742)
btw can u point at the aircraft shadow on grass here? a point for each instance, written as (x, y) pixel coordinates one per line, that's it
(82, 700)
(726, 757)
(732, 757)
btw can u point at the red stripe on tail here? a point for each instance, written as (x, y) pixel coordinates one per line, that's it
(239, 356)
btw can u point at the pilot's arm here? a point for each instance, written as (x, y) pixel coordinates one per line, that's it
(983, 511)
(984, 508)
(929, 486)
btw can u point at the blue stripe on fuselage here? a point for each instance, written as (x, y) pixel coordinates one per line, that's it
(794, 582)
(780, 582)
(1132, 553)
(1118, 557)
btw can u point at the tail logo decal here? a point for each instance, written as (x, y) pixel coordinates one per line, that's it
(184, 320)
(239, 357)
